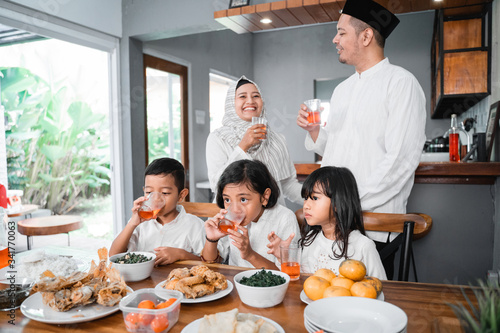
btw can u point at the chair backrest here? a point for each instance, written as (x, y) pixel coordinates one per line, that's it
(201, 209)
(409, 226)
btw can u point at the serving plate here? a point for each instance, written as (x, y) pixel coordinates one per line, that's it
(33, 308)
(307, 300)
(193, 326)
(347, 314)
(206, 298)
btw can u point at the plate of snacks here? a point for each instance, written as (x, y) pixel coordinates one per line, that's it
(79, 297)
(240, 322)
(198, 284)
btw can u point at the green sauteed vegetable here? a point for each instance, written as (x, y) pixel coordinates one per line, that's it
(263, 278)
(132, 258)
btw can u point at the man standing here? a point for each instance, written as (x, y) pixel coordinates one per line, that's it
(376, 126)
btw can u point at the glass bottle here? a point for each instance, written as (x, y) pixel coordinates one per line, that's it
(454, 140)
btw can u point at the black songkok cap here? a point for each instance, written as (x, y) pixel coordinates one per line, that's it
(373, 14)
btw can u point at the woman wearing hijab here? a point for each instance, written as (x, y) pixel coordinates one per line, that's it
(238, 139)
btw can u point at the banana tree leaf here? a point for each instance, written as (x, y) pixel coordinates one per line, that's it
(17, 79)
(82, 116)
(102, 170)
(54, 152)
(50, 127)
(27, 120)
(55, 107)
(20, 136)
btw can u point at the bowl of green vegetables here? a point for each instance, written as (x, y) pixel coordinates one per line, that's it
(261, 288)
(134, 266)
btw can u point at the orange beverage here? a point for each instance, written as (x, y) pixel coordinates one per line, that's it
(314, 117)
(292, 269)
(225, 225)
(149, 214)
(4, 256)
(454, 143)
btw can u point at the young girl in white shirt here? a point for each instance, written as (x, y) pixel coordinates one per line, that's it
(334, 228)
(247, 186)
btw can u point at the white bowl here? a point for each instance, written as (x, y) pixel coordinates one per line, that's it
(134, 272)
(261, 297)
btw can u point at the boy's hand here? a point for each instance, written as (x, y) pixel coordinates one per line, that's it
(242, 242)
(136, 219)
(166, 255)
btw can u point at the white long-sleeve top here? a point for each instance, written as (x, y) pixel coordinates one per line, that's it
(376, 128)
(220, 154)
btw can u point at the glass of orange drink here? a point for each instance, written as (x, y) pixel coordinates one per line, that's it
(151, 207)
(231, 220)
(290, 260)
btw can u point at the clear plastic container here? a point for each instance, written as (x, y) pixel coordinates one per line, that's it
(150, 320)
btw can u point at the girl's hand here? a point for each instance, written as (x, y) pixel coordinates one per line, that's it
(212, 226)
(242, 242)
(253, 136)
(275, 242)
(166, 255)
(136, 219)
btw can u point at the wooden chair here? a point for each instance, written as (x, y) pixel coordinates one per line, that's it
(409, 227)
(201, 209)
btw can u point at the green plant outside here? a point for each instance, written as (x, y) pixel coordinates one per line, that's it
(55, 149)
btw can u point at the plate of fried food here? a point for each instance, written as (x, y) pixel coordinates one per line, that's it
(198, 284)
(79, 297)
(233, 321)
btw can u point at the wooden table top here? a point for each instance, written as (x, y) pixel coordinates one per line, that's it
(49, 225)
(26, 209)
(425, 305)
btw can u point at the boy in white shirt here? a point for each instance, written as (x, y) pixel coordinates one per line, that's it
(174, 234)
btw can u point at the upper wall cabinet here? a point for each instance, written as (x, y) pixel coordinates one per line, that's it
(460, 59)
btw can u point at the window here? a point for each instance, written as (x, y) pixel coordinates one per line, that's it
(219, 84)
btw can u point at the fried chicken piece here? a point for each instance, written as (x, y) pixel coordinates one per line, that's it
(203, 289)
(204, 272)
(186, 290)
(179, 273)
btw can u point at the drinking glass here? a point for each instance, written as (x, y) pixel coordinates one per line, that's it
(314, 111)
(290, 260)
(260, 120)
(153, 204)
(231, 220)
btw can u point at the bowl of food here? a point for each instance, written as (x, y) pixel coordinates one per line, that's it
(14, 291)
(146, 312)
(134, 266)
(261, 288)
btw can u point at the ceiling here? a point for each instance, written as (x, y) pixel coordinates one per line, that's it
(290, 13)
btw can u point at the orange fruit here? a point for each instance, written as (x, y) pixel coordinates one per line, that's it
(335, 291)
(341, 281)
(325, 273)
(160, 323)
(374, 282)
(146, 304)
(166, 304)
(315, 286)
(363, 289)
(352, 269)
(132, 321)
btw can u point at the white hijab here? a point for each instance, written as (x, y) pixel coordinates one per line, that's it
(272, 151)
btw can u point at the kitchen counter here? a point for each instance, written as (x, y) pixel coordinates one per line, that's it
(484, 173)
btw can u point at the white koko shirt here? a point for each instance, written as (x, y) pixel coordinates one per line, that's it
(320, 255)
(186, 232)
(376, 128)
(279, 219)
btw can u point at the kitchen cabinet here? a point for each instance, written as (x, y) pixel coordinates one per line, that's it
(460, 59)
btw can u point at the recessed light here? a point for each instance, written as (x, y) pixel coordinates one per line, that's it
(266, 20)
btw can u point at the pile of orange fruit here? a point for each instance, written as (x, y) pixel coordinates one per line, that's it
(352, 281)
(142, 322)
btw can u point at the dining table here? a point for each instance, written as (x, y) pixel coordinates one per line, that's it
(426, 305)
